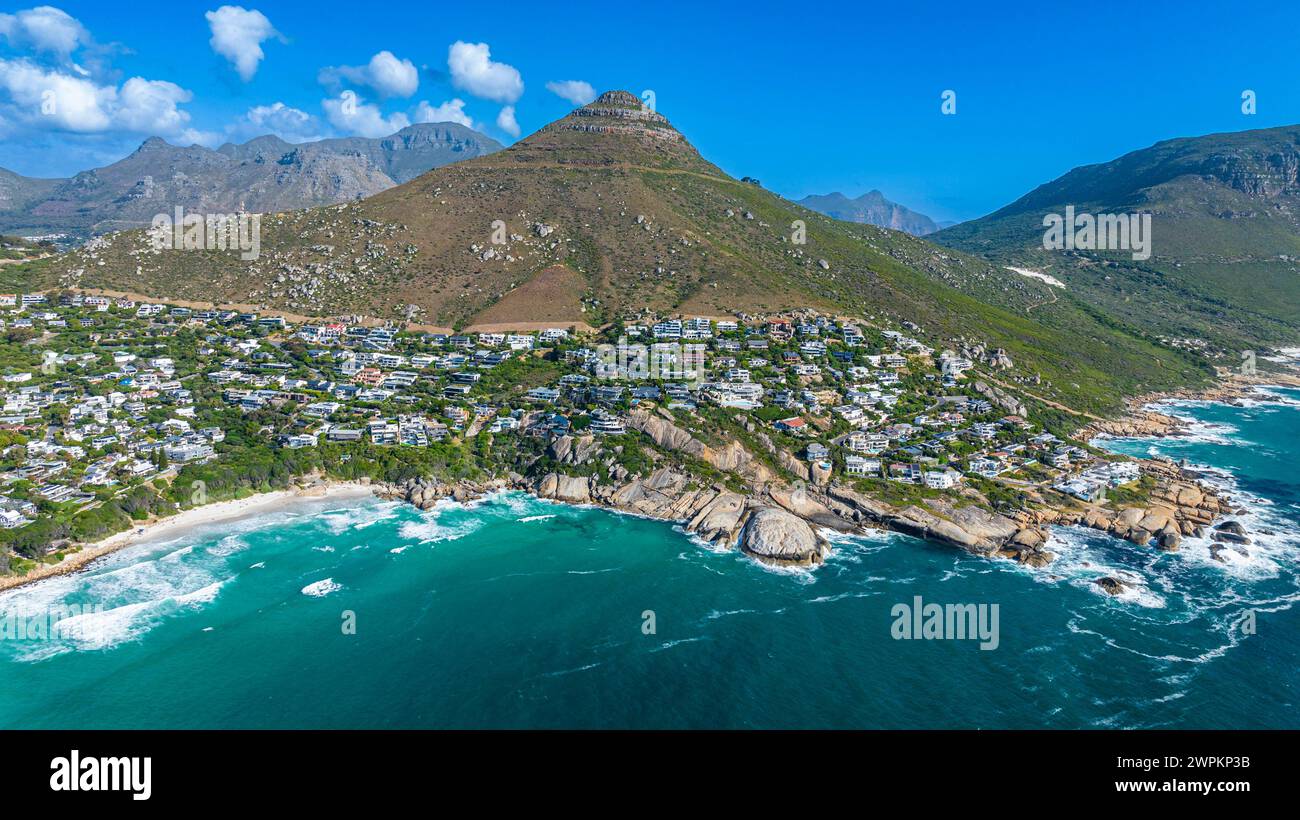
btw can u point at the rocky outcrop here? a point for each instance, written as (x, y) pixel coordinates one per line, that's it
(1001, 398)
(1111, 586)
(776, 536)
(425, 493)
(777, 522)
(731, 458)
(1142, 423)
(1229, 388)
(719, 519)
(1178, 507)
(665, 434)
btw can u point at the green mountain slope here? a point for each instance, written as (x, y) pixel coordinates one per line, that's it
(1225, 261)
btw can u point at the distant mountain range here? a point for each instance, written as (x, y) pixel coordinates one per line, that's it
(873, 209)
(1224, 262)
(265, 174)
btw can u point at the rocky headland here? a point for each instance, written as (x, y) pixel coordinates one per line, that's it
(781, 522)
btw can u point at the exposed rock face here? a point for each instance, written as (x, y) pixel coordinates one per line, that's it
(619, 112)
(665, 434)
(1001, 398)
(568, 488)
(1178, 508)
(1138, 423)
(775, 535)
(719, 520)
(425, 493)
(732, 458)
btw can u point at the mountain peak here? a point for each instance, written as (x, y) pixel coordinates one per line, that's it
(624, 99)
(614, 129)
(871, 208)
(619, 112)
(153, 144)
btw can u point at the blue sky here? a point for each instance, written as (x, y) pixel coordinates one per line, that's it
(808, 97)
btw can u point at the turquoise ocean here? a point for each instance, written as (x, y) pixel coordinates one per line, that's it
(513, 612)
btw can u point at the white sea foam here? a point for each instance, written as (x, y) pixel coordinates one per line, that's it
(111, 627)
(227, 546)
(359, 517)
(670, 644)
(321, 588)
(431, 529)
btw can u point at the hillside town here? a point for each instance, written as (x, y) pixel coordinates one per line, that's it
(103, 394)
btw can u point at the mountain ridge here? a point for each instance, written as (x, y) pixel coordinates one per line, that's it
(871, 208)
(1225, 263)
(263, 174)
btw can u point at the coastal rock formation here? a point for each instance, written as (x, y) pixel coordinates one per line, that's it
(775, 521)
(1137, 423)
(1111, 586)
(665, 434)
(1230, 388)
(774, 535)
(567, 488)
(732, 458)
(719, 519)
(425, 493)
(1178, 508)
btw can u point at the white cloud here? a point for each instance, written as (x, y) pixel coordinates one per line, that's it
(506, 121)
(286, 122)
(385, 73)
(50, 99)
(193, 136)
(237, 35)
(349, 113)
(44, 28)
(575, 91)
(450, 111)
(149, 106)
(473, 70)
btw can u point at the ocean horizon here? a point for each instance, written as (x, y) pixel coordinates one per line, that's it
(514, 612)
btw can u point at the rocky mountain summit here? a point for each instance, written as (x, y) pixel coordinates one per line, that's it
(619, 112)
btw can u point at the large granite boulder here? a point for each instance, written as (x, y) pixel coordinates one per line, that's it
(774, 535)
(718, 519)
(573, 489)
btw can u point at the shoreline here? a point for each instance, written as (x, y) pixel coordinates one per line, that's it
(233, 509)
(1139, 422)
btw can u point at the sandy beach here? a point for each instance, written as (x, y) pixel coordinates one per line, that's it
(161, 527)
